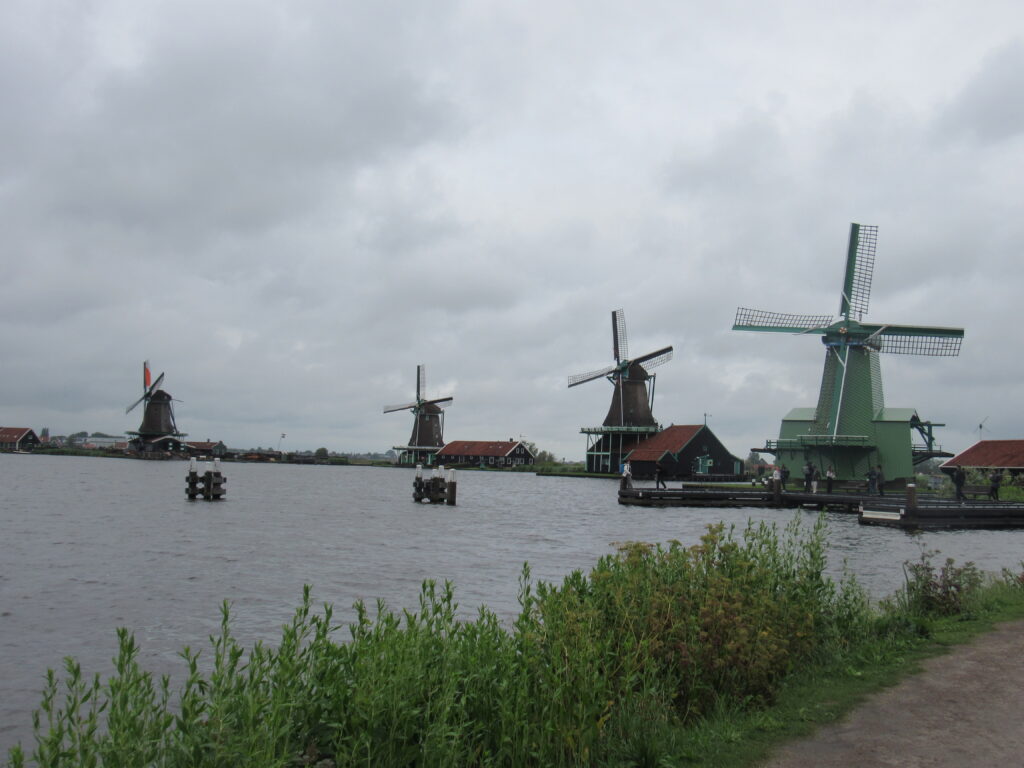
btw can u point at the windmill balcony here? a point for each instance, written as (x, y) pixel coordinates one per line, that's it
(796, 443)
(647, 430)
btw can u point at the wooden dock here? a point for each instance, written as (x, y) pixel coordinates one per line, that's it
(901, 510)
(731, 496)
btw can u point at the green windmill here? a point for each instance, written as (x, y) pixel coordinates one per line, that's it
(851, 429)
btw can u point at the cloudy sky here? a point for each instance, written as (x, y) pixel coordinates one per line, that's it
(287, 206)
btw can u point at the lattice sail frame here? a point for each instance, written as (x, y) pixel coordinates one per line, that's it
(656, 359)
(895, 342)
(620, 342)
(762, 318)
(857, 285)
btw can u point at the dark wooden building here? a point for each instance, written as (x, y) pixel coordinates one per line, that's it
(206, 448)
(484, 453)
(17, 439)
(685, 452)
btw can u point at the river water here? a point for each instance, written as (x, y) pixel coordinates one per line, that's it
(89, 544)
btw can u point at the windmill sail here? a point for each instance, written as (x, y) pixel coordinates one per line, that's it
(929, 341)
(860, 266)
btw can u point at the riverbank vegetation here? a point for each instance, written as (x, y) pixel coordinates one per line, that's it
(661, 655)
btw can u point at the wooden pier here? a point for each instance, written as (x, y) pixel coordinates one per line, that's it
(901, 510)
(732, 496)
(923, 513)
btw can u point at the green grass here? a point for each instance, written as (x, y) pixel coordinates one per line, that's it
(674, 655)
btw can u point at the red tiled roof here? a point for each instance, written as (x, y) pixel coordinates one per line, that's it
(13, 434)
(671, 440)
(991, 453)
(477, 448)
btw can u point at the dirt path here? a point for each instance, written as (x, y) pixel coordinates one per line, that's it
(965, 709)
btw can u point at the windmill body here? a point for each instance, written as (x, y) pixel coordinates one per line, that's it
(629, 418)
(851, 428)
(427, 436)
(158, 432)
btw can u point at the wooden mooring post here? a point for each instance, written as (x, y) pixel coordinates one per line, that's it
(435, 489)
(208, 485)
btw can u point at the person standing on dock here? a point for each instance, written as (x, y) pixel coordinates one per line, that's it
(815, 477)
(830, 477)
(959, 478)
(994, 480)
(659, 479)
(881, 481)
(785, 476)
(808, 476)
(627, 476)
(872, 481)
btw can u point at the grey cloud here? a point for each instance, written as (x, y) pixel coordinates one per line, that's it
(988, 108)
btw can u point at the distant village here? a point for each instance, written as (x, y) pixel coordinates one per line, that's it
(23, 440)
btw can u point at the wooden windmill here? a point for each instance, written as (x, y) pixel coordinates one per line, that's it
(427, 436)
(851, 428)
(157, 416)
(629, 418)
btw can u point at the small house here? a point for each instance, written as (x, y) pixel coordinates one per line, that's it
(17, 439)
(484, 453)
(685, 452)
(206, 448)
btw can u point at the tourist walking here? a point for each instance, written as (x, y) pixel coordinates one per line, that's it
(785, 476)
(815, 477)
(959, 478)
(659, 480)
(881, 481)
(993, 488)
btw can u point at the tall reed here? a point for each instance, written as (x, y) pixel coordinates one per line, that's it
(594, 670)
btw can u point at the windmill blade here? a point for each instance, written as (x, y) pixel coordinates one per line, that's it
(932, 341)
(779, 322)
(441, 402)
(131, 407)
(155, 386)
(860, 266)
(393, 408)
(583, 378)
(652, 360)
(620, 344)
(421, 381)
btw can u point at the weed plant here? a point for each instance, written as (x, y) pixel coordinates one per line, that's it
(625, 665)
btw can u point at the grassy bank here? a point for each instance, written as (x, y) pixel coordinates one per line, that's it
(659, 656)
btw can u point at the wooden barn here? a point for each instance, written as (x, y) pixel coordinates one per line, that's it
(987, 455)
(17, 439)
(485, 453)
(685, 452)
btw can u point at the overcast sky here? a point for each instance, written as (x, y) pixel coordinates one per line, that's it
(287, 206)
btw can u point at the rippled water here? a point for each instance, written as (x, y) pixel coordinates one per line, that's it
(92, 544)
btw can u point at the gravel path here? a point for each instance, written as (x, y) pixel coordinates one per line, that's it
(965, 709)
